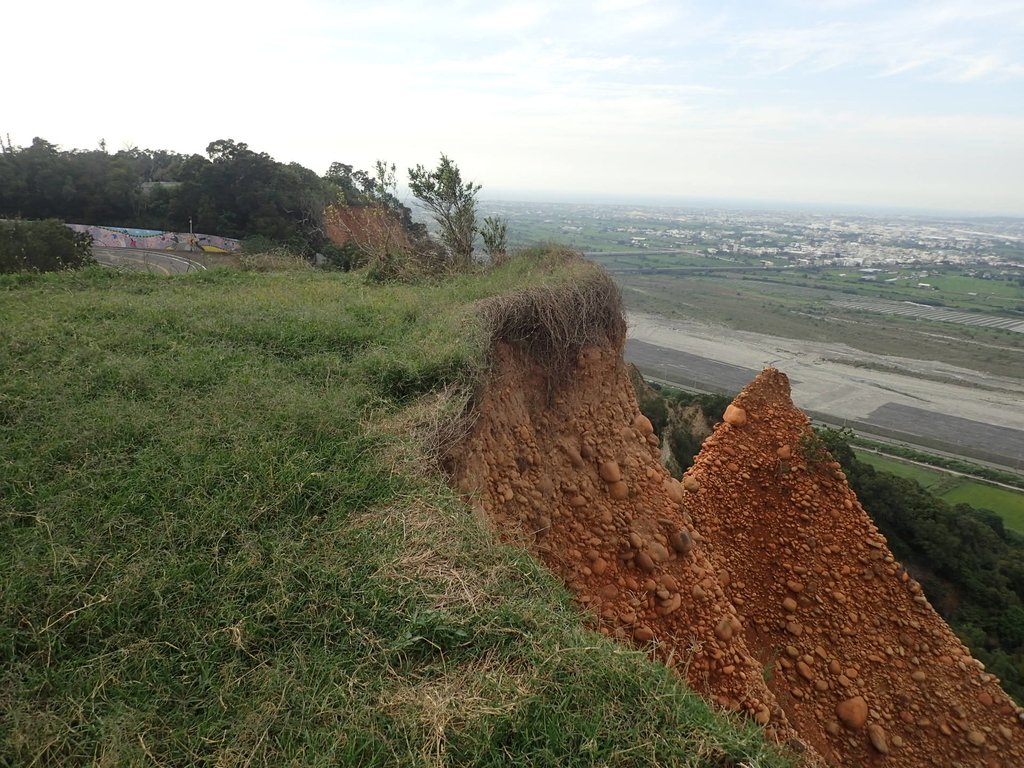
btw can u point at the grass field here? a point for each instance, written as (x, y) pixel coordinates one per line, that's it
(1009, 505)
(926, 477)
(225, 542)
(947, 287)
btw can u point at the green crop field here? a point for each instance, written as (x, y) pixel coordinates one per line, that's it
(1009, 505)
(225, 541)
(926, 477)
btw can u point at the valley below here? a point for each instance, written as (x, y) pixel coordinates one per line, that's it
(943, 406)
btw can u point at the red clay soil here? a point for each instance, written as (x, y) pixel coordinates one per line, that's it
(759, 578)
(369, 226)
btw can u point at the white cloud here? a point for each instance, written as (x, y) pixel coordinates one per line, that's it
(802, 100)
(950, 41)
(510, 18)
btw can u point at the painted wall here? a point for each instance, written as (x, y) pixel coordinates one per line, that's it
(153, 239)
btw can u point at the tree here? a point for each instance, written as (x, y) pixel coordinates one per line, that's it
(495, 236)
(42, 246)
(452, 204)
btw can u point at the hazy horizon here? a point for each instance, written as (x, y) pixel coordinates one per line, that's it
(883, 105)
(735, 204)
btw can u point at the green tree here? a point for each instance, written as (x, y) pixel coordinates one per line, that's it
(42, 246)
(452, 203)
(495, 236)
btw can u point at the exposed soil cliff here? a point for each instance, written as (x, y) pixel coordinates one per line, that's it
(759, 577)
(371, 228)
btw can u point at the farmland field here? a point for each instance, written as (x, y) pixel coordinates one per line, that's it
(926, 477)
(1009, 505)
(954, 489)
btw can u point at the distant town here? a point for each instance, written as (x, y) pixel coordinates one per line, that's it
(775, 239)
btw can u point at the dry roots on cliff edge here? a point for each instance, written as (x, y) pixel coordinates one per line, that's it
(553, 323)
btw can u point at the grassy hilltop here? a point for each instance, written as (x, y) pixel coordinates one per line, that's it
(225, 541)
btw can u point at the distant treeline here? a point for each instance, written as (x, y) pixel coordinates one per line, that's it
(232, 192)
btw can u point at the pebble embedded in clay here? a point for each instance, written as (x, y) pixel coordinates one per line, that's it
(610, 471)
(879, 739)
(758, 561)
(735, 416)
(853, 712)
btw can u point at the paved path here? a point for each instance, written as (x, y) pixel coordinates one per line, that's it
(159, 262)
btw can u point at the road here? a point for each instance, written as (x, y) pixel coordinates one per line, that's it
(158, 262)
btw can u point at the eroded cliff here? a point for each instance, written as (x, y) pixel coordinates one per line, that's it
(759, 577)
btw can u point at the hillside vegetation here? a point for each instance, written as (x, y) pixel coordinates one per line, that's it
(226, 542)
(233, 191)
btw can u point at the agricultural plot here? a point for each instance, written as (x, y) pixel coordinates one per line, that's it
(954, 489)
(799, 311)
(937, 314)
(928, 478)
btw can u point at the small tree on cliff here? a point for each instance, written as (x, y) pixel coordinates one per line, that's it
(452, 204)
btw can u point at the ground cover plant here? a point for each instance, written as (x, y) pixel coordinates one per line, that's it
(225, 542)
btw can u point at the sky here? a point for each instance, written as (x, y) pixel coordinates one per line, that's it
(915, 105)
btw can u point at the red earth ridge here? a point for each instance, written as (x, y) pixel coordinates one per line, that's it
(759, 577)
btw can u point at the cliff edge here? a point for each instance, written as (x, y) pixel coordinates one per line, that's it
(759, 577)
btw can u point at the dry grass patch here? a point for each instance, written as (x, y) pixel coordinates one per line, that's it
(554, 322)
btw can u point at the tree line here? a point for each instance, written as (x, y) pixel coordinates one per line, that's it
(234, 191)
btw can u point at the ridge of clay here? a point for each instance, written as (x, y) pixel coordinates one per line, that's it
(759, 577)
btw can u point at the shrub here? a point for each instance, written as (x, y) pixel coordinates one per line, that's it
(42, 246)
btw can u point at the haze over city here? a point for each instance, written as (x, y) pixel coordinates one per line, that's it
(850, 102)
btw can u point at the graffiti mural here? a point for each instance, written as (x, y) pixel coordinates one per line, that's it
(155, 240)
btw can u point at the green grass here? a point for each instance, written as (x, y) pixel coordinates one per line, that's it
(224, 542)
(948, 287)
(926, 477)
(648, 260)
(1009, 505)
